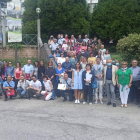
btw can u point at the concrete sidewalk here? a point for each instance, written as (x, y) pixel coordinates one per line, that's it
(23, 119)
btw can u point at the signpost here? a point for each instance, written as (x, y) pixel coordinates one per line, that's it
(14, 23)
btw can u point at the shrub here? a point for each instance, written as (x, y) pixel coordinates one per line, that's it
(129, 47)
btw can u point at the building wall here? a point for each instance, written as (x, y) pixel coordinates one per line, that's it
(26, 52)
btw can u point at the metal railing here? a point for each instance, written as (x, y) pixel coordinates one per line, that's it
(29, 39)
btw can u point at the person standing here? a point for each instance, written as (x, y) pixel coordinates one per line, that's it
(72, 60)
(86, 39)
(124, 80)
(68, 67)
(54, 46)
(41, 73)
(18, 73)
(10, 70)
(50, 72)
(77, 81)
(3, 69)
(36, 65)
(98, 69)
(110, 81)
(87, 80)
(28, 70)
(134, 91)
(8, 85)
(79, 40)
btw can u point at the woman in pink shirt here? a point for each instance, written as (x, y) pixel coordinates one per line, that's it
(84, 46)
(18, 73)
(76, 48)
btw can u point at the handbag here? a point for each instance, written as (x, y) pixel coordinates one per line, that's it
(11, 92)
(94, 84)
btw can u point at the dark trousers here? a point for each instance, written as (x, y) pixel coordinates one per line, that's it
(5, 94)
(134, 91)
(41, 80)
(70, 92)
(69, 74)
(88, 91)
(30, 92)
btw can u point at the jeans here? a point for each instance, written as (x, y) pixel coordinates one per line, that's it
(41, 80)
(110, 91)
(70, 92)
(88, 90)
(21, 91)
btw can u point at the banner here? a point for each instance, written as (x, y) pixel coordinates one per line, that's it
(14, 21)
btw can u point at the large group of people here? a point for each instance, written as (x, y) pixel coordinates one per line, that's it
(84, 70)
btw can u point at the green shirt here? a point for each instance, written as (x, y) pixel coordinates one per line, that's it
(124, 80)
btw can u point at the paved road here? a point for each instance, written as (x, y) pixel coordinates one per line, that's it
(55, 120)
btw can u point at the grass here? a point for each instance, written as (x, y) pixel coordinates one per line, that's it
(23, 61)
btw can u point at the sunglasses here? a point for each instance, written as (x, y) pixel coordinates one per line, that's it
(123, 64)
(134, 62)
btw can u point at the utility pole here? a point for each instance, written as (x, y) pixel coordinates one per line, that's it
(0, 24)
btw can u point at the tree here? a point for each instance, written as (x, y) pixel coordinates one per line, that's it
(129, 47)
(59, 16)
(113, 19)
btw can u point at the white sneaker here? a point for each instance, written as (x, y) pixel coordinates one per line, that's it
(96, 102)
(101, 102)
(84, 103)
(76, 101)
(90, 103)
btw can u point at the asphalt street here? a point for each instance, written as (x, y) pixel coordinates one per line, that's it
(23, 119)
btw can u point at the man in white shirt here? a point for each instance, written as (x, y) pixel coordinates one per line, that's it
(102, 50)
(86, 39)
(54, 45)
(35, 88)
(22, 86)
(60, 41)
(60, 59)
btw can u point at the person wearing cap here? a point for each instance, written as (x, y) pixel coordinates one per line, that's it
(110, 81)
(86, 39)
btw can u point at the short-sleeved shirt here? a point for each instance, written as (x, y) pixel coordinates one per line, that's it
(68, 82)
(11, 84)
(28, 68)
(124, 77)
(36, 84)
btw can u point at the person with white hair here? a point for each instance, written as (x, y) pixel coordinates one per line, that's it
(102, 50)
(86, 39)
(110, 81)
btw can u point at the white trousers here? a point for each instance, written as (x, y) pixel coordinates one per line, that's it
(48, 97)
(100, 90)
(124, 94)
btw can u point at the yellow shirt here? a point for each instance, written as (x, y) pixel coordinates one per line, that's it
(93, 59)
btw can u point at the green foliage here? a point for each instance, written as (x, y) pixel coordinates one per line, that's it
(23, 61)
(57, 16)
(112, 19)
(129, 47)
(19, 46)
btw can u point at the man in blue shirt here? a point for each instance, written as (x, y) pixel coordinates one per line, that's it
(134, 91)
(110, 81)
(28, 70)
(68, 67)
(8, 85)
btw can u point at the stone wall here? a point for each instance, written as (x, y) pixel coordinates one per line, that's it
(26, 52)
